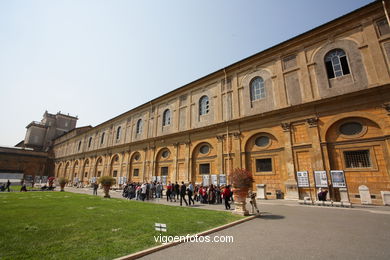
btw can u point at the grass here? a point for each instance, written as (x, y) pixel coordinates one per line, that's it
(63, 225)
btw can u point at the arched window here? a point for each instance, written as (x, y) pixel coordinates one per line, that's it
(89, 142)
(257, 89)
(139, 126)
(203, 105)
(118, 133)
(336, 63)
(102, 138)
(166, 117)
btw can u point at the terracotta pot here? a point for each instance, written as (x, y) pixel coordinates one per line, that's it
(106, 189)
(239, 195)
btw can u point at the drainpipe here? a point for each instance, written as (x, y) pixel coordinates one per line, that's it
(386, 13)
(227, 127)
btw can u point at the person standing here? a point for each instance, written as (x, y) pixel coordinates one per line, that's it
(95, 188)
(144, 187)
(177, 190)
(169, 192)
(226, 196)
(8, 184)
(183, 189)
(190, 192)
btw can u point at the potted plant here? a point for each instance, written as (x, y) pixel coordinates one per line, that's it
(62, 181)
(106, 182)
(241, 180)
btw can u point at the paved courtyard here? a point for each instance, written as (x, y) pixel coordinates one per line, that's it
(286, 230)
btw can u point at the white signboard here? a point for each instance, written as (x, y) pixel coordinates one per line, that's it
(303, 179)
(222, 179)
(120, 180)
(205, 180)
(338, 179)
(321, 179)
(214, 179)
(158, 178)
(164, 180)
(160, 227)
(124, 180)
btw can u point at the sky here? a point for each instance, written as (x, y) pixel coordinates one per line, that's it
(98, 59)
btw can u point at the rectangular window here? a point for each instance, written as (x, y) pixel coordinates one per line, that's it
(264, 165)
(136, 172)
(289, 62)
(164, 171)
(204, 168)
(86, 174)
(357, 159)
(383, 27)
(99, 173)
(114, 173)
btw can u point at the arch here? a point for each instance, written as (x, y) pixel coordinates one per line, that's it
(99, 166)
(163, 165)
(366, 115)
(75, 170)
(166, 117)
(85, 170)
(118, 132)
(203, 164)
(336, 63)
(59, 168)
(257, 88)
(135, 167)
(115, 165)
(249, 141)
(354, 81)
(204, 105)
(66, 170)
(266, 100)
(139, 126)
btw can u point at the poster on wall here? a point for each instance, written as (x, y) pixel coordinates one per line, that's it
(120, 180)
(158, 179)
(303, 179)
(44, 179)
(205, 180)
(338, 179)
(214, 179)
(222, 179)
(321, 179)
(124, 180)
(164, 180)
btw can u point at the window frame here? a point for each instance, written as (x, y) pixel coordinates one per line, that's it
(138, 128)
(118, 133)
(166, 117)
(374, 166)
(253, 89)
(200, 169)
(204, 105)
(332, 71)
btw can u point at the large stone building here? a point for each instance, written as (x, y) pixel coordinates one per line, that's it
(32, 157)
(319, 101)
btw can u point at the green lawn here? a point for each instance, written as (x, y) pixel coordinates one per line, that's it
(63, 225)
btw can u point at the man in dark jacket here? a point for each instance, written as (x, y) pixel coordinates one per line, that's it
(183, 189)
(177, 190)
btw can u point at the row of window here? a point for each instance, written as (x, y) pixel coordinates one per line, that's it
(353, 159)
(336, 64)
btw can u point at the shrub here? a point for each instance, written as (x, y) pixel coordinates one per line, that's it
(107, 180)
(62, 180)
(241, 178)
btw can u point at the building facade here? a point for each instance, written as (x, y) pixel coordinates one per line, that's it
(319, 101)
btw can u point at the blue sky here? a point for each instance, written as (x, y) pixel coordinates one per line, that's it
(98, 59)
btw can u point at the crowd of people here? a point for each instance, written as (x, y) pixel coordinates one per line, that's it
(173, 192)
